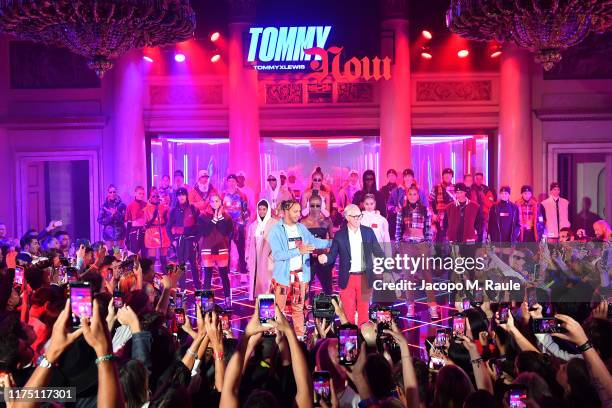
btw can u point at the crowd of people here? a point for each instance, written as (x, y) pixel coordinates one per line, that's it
(139, 344)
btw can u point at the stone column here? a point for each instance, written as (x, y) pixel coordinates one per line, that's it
(515, 163)
(395, 98)
(243, 101)
(128, 153)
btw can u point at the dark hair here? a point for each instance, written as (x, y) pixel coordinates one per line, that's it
(9, 351)
(478, 322)
(94, 278)
(379, 375)
(540, 364)
(287, 204)
(582, 393)
(568, 230)
(138, 188)
(537, 386)
(133, 379)
(146, 264)
(366, 174)
(34, 276)
(259, 398)
(407, 172)
(27, 240)
(173, 396)
(452, 387)
(479, 398)
(262, 202)
(178, 173)
(478, 173)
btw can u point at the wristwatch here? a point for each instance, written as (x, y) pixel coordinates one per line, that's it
(585, 346)
(44, 363)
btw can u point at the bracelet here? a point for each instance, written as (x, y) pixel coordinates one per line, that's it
(477, 360)
(107, 357)
(219, 355)
(191, 353)
(585, 346)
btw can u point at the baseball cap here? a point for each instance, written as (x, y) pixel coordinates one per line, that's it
(461, 187)
(203, 173)
(448, 170)
(504, 189)
(526, 188)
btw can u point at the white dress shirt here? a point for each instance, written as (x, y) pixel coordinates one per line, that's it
(355, 241)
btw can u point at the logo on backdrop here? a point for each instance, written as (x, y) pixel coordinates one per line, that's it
(288, 48)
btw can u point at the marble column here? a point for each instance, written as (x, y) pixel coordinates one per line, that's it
(243, 101)
(515, 163)
(128, 153)
(395, 101)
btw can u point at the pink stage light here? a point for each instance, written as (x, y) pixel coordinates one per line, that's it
(179, 57)
(215, 36)
(147, 58)
(215, 58)
(426, 34)
(463, 53)
(426, 53)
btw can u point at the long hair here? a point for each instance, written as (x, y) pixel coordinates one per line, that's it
(320, 173)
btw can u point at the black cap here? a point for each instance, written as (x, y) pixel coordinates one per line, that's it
(178, 173)
(504, 189)
(448, 170)
(407, 172)
(554, 184)
(232, 176)
(526, 188)
(391, 171)
(182, 191)
(461, 187)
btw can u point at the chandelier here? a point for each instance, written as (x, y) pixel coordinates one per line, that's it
(544, 27)
(100, 30)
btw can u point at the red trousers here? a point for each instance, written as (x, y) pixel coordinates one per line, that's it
(356, 297)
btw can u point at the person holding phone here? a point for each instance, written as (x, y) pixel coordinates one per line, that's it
(183, 229)
(216, 230)
(356, 245)
(291, 245)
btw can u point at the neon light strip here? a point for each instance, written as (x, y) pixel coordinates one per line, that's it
(198, 141)
(330, 141)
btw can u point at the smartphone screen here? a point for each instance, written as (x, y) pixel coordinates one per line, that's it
(467, 304)
(179, 315)
(532, 298)
(546, 325)
(348, 344)
(117, 299)
(178, 300)
(322, 387)
(266, 309)
(225, 323)
(383, 318)
(19, 276)
(436, 363)
(517, 397)
(207, 301)
(198, 297)
(71, 273)
(459, 325)
(81, 298)
(503, 314)
(440, 339)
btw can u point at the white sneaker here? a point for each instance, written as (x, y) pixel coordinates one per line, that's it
(411, 310)
(433, 312)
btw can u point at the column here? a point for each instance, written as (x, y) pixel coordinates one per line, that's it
(515, 148)
(395, 101)
(243, 101)
(7, 181)
(128, 154)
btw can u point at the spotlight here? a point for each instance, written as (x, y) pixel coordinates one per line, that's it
(215, 36)
(426, 34)
(463, 53)
(215, 58)
(179, 57)
(426, 53)
(494, 50)
(147, 58)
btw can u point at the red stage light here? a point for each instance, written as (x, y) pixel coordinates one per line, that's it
(426, 34)
(463, 53)
(215, 36)
(495, 54)
(494, 50)
(179, 57)
(426, 53)
(215, 58)
(147, 58)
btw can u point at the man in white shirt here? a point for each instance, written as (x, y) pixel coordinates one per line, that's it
(556, 213)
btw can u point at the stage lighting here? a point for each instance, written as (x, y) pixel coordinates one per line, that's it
(463, 53)
(426, 53)
(426, 34)
(147, 58)
(179, 57)
(215, 36)
(494, 50)
(215, 58)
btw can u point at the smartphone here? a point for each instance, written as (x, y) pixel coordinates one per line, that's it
(467, 304)
(459, 325)
(225, 322)
(503, 311)
(157, 281)
(19, 273)
(348, 344)
(436, 363)
(517, 396)
(440, 339)
(179, 315)
(535, 272)
(532, 297)
(178, 299)
(117, 299)
(322, 387)
(546, 325)
(81, 302)
(71, 274)
(207, 301)
(383, 319)
(266, 309)
(478, 299)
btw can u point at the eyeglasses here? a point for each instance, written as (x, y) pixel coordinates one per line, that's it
(318, 180)
(356, 216)
(369, 179)
(315, 205)
(112, 192)
(520, 258)
(271, 180)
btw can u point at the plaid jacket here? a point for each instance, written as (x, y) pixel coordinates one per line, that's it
(416, 217)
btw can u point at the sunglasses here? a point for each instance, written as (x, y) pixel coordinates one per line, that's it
(356, 216)
(520, 258)
(271, 180)
(112, 192)
(369, 179)
(315, 205)
(318, 180)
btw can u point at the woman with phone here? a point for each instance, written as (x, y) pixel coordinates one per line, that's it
(321, 227)
(216, 228)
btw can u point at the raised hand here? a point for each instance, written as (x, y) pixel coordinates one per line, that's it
(61, 337)
(96, 332)
(575, 332)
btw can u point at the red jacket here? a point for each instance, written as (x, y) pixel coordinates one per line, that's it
(472, 218)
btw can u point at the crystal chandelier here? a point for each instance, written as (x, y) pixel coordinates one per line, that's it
(544, 27)
(100, 30)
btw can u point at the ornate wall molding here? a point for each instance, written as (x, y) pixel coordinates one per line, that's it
(355, 92)
(186, 94)
(277, 94)
(454, 91)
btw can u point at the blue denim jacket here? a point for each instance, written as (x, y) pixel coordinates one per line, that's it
(282, 254)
